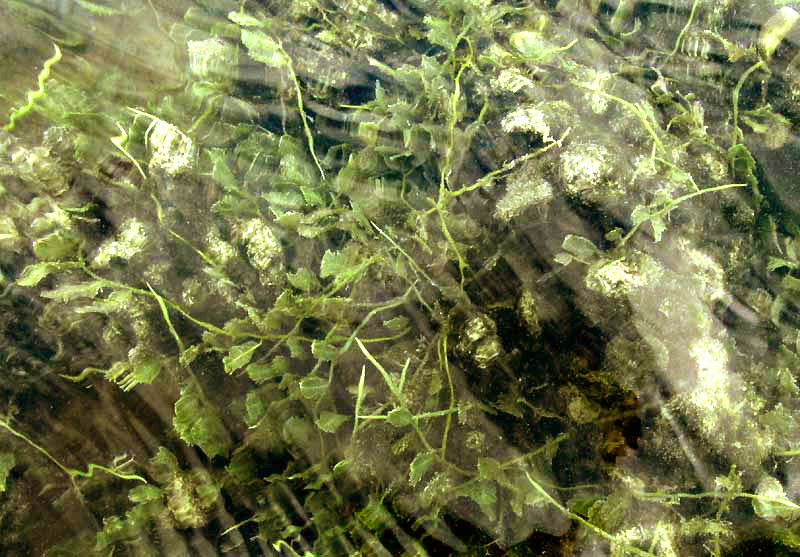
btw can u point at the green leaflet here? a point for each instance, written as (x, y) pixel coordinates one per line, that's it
(770, 501)
(533, 45)
(239, 356)
(259, 372)
(330, 422)
(577, 248)
(396, 323)
(344, 266)
(243, 19)
(294, 166)
(609, 513)
(221, 172)
(124, 373)
(334, 263)
(324, 350)
(303, 279)
(264, 49)
(144, 493)
(440, 32)
(419, 466)
(400, 417)
(297, 348)
(7, 462)
(299, 432)
(292, 304)
(642, 214)
(255, 408)
(743, 164)
(198, 423)
(375, 517)
(70, 292)
(312, 196)
(484, 493)
(313, 387)
(99, 9)
(285, 199)
(490, 469)
(56, 246)
(774, 263)
(33, 274)
(187, 495)
(117, 301)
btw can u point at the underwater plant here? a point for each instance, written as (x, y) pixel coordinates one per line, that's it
(363, 277)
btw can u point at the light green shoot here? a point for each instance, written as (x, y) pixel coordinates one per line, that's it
(33, 96)
(99, 10)
(684, 30)
(160, 213)
(204, 324)
(599, 531)
(154, 121)
(283, 546)
(119, 142)
(301, 109)
(736, 91)
(410, 259)
(73, 473)
(165, 314)
(400, 300)
(401, 414)
(394, 389)
(359, 399)
(655, 216)
(403, 374)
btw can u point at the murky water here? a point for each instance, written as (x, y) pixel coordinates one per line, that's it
(399, 278)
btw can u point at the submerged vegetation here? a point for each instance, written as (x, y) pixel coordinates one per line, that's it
(474, 277)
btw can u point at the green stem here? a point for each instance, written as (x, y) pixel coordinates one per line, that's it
(33, 96)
